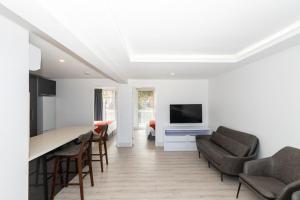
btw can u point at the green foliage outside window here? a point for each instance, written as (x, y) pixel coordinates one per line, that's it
(145, 100)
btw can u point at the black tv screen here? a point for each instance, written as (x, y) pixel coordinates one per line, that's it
(186, 113)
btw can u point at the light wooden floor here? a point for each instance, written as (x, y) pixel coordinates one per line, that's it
(145, 172)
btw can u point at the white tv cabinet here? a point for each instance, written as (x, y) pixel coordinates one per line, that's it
(182, 137)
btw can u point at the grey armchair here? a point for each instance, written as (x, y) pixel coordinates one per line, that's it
(276, 177)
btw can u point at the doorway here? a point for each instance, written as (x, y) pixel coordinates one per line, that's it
(145, 107)
(105, 110)
(144, 113)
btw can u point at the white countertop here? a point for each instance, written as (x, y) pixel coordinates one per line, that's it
(50, 140)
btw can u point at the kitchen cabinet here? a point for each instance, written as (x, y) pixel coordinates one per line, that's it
(46, 87)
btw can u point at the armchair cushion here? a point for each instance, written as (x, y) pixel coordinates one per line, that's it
(247, 139)
(231, 145)
(212, 150)
(268, 187)
(233, 165)
(286, 165)
(260, 167)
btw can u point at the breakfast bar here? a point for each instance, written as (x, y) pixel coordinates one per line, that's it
(39, 149)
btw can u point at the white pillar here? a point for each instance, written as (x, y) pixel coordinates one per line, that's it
(125, 116)
(14, 110)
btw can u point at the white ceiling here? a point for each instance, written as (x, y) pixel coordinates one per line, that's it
(152, 39)
(200, 27)
(52, 67)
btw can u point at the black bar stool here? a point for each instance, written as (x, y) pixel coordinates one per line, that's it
(80, 153)
(101, 139)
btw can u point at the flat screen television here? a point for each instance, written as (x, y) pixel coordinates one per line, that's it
(186, 113)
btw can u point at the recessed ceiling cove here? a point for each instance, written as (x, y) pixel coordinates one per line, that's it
(201, 29)
(162, 36)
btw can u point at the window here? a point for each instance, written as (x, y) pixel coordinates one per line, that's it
(109, 105)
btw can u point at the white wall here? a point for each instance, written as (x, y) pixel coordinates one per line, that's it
(14, 106)
(262, 98)
(174, 92)
(75, 100)
(75, 105)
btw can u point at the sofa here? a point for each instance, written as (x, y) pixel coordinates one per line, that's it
(274, 178)
(227, 150)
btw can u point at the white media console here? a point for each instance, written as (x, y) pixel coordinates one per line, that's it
(182, 138)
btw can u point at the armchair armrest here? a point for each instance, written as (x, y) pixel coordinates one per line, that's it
(289, 189)
(234, 165)
(258, 167)
(296, 195)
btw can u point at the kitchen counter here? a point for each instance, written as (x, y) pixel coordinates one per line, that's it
(50, 140)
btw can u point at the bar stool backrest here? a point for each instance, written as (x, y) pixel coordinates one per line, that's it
(103, 132)
(85, 141)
